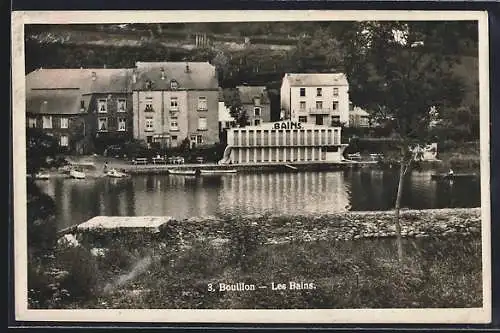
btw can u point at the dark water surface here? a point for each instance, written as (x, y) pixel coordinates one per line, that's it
(287, 193)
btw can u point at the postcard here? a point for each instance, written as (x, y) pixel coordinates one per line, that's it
(251, 166)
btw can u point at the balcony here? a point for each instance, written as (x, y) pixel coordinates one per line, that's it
(320, 110)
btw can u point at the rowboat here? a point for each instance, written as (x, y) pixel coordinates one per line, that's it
(76, 174)
(217, 171)
(182, 172)
(454, 176)
(113, 173)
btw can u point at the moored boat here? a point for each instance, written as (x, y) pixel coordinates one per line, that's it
(76, 174)
(182, 172)
(113, 173)
(217, 171)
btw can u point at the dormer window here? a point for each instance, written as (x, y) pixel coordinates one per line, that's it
(173, 85)
(82, 105)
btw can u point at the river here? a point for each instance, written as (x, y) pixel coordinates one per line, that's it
(288, 193)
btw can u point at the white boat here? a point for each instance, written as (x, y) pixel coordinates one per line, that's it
(113, 173)
(182, 172)
(217, 171)
(76, 174)
(42, 176)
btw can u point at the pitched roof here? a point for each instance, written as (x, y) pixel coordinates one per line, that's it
(60, 101)
(200, 76)
(316, 79)
(248, 93)
(88, 80)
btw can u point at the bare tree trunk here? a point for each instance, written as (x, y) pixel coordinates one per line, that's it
(397, 208)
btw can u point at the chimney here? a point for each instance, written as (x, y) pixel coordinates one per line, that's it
(104, 66)
(162, 73)
(187, 67)
(134, 77)
(94, 76)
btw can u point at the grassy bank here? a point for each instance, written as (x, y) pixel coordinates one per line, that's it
(175, 268)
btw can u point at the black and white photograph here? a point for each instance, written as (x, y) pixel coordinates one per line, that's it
(288, 166)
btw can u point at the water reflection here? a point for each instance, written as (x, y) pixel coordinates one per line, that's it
(281, 193)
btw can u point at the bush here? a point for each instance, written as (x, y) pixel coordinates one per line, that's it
(81, 280)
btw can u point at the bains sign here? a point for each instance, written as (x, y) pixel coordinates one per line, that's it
(287, 125)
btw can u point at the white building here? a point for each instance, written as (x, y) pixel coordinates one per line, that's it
(285, 141)
(315, 98)
(226, 121)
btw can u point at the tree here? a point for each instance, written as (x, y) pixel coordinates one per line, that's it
(39, 147)
(232, 101)
(400, 71)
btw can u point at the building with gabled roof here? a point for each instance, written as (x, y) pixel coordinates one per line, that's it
(173, 101)
(318, 98)
(256, 103)
(98, 99)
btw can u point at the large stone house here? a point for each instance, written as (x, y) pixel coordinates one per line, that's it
(80, 106)
(317, 98)
(173, 101)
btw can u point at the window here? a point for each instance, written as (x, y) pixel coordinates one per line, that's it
(256, 112)
(319, 105)
(63, 141)
(335, 91)
(335, 106)
(302, 119)
(103, 124)
(257, 100)
(302, 92)
(149, 107)
(319, 92)
(47, 122)
(32, 122)
(199, 139)
(256, 122)
(173, 85)
(319, 120)
(122, 105)
(64, 122)
(202, 103)
(122, 124)
(174, 126)
(149, 124)
(173, 103)
(202, 124)
(102, 105)
(302, 105)
(82, 105)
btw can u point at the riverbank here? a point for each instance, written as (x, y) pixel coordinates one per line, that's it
(276, 229)
(331, 261)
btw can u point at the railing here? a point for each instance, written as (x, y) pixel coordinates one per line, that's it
(319, 110)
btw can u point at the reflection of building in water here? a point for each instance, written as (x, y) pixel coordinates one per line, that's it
(285, 193)
(174, 196)
(284, 142)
